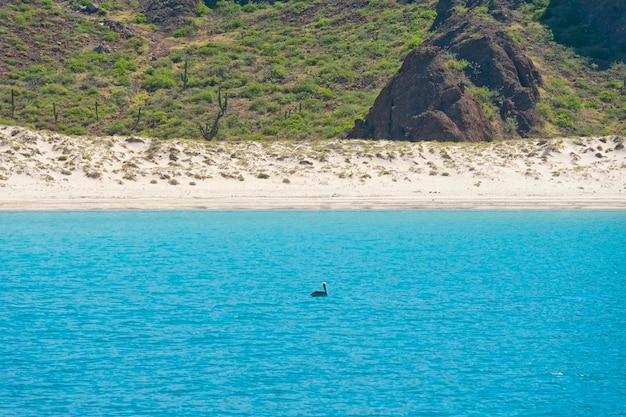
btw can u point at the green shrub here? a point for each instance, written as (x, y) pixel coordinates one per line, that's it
(457, 65)
(17, 43)
(76, 65)
(277, 72)
(75, 130)
(544, 111)
(110, 36)
(568, 101)
(79, 114)
(117, 128)
(228, 8)
(182, 32)
(202, 9)
(415, 41)
(158, 79)
(557, 86)
(482, 11)
(580, 83)
(564, 119)
(55, 89)
(323, 22)
(608, 96)
(234, 24)
(252, 90)
(427, 14)
(617, 84)
(250, 7)
(140, 18)
(483, 94)
(122, 81)
(618, 113)
(510, 124)
(135, 43)
(123, 66)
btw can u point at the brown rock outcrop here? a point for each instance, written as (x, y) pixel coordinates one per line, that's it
(425, 101)
(428, 101)
(497, 63)
(168, 14)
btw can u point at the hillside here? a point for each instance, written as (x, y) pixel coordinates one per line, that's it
(287, 70)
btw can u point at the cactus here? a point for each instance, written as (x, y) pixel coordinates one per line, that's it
(184, 77)
(210, 133)
(97, 115)
(12, 103)
(137, 120)
(55, 113)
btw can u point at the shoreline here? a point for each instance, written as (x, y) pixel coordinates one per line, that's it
(48, 171)
(332, 203)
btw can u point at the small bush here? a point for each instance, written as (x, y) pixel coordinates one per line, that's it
(482, 11)
(228, 8)
(111, 36)
(557, 86)
(544, 111)
(202, 9)
(568, 101)
(614, 84)
(250, 7)
(510, 124)
(415, 42)
(135, 43)
(580, 83)
(564, 119)
(234, 24)
(160, 78)
(457, 65)
(140, 18)
(607, 96)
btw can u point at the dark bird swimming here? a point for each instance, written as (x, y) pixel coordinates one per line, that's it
(320, 293)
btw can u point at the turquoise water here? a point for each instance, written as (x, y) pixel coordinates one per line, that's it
(429, 313)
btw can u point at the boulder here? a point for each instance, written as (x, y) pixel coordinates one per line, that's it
(497, 63)
(426, 100)
(90, 8)
(100, 49)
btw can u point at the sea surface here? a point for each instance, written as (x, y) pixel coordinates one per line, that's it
(208, 313)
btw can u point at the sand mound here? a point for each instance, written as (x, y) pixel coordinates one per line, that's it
(50, 171)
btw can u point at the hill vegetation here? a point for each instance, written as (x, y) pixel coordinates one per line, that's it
(287, 70)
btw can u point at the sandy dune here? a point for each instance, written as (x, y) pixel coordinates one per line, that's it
(50, 171)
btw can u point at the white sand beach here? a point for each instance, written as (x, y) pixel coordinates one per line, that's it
(48, 171)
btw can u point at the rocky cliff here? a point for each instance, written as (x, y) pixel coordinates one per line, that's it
(431, 96)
